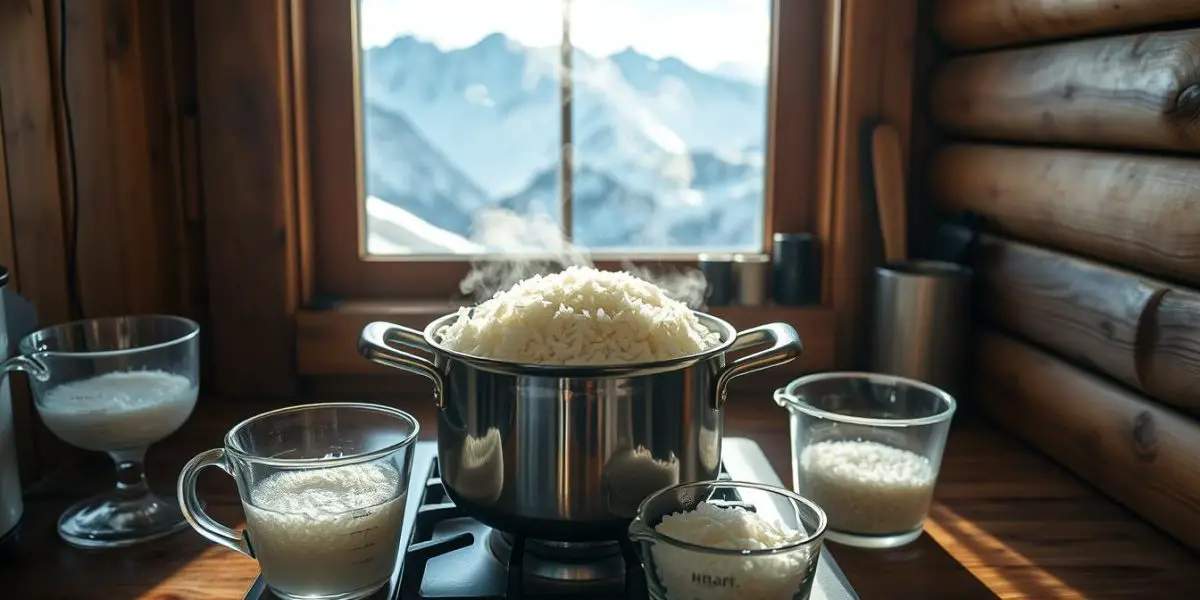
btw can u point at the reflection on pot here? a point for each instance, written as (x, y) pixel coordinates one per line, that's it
(632, 474)
(480, 476)
(710, 449)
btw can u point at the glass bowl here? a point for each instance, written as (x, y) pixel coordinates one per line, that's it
(867, 448)
(677, 569)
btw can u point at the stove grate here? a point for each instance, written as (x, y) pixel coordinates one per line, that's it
(437, 507)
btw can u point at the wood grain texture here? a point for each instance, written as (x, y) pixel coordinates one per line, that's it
(875, 56)
(1137, 452)
(1087, 312)
(128, 211)
(1007, 523)
(1171, 368)
(244, 93)
(327, 340)
(793, 119)
(974, 24)
(27, 109)
(887, 162)
(1133, 91)
(31, 152)
(1141, 331)
(928, 54)
(8, 250)
(1141, 212)
(303, 148)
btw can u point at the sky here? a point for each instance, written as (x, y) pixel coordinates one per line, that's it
(703, 33)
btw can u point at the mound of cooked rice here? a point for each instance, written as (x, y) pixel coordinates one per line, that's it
(579, 316)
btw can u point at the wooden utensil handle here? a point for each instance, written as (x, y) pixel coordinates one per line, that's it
(887, 162)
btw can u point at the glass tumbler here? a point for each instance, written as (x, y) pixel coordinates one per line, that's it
(324, 488)
(115, 385)
(680, 570)
(867, 448)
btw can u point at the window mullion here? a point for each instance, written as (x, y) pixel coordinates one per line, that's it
(566, 150)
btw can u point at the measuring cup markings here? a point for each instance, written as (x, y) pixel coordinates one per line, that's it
(362, 548)
(363, 531)
(364, 561)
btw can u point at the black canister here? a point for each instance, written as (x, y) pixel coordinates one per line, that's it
(718, 272)
(796, 269)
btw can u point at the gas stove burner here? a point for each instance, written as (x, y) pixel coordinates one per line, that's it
(575, 563)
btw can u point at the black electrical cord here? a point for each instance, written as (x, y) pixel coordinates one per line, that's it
(73, 296)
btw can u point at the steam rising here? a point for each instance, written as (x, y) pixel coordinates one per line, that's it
(534, 244)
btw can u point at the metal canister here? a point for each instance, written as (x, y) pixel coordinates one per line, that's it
(750, 275)
(922, 321)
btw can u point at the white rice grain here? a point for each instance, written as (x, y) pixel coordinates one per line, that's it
(866, 487)
(691, 575)
(579, 316)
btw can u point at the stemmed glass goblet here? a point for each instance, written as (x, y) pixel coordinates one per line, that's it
(115, 385)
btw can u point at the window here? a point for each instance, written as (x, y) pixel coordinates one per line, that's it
(456, 131)
(284, 154)
(501, 126)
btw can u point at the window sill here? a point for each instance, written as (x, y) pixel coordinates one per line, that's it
(326, 340)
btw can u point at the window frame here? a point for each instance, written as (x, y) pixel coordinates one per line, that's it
(275, 329)
(340, 269)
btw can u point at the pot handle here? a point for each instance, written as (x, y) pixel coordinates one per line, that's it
(785, 347)
(374, 343)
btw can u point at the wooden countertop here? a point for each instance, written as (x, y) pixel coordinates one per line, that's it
(1007, 523)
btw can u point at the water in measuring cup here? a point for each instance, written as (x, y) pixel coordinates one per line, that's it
(327, 532)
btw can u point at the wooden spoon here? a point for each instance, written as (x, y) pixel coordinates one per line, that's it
(887, 162)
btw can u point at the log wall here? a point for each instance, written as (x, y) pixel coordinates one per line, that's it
(1073, 128)
(1138, 452)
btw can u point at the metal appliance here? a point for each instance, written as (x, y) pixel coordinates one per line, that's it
(16, 319)
(450, 556)
(568, 452)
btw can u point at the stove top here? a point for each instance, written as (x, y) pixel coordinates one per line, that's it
(453, 557)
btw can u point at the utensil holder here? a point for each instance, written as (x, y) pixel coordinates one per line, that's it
(922, 314)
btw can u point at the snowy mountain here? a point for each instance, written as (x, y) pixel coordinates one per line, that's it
(407, 170)
(665, 155)
(754, 74)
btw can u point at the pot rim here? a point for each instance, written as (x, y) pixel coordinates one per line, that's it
(727, 332)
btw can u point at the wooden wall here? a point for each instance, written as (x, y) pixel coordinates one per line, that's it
(98, 201)
(1073, 127)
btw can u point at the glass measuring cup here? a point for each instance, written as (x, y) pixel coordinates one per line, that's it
(688, 570)
(324, 488)
(115, 385)
(868, 448)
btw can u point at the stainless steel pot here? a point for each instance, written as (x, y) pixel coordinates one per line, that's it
(567, 453)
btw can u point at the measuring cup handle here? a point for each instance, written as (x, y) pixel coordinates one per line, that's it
(28, 364)
(189, 503)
